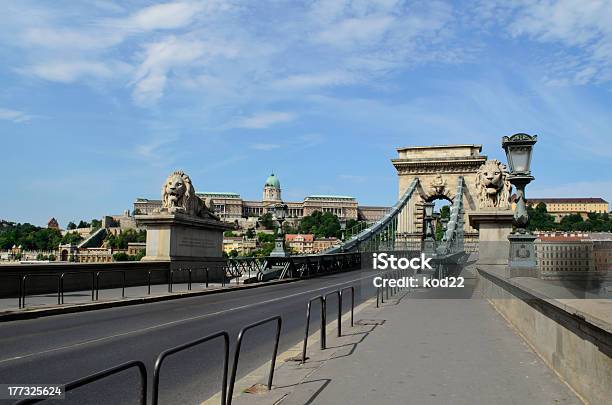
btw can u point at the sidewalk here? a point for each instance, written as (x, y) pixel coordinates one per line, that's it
(416, 350)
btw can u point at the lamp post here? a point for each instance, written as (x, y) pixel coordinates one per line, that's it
(518, 148)
(280, 213)
(429, 243)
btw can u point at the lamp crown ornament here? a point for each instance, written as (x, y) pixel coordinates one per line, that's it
(518, 148)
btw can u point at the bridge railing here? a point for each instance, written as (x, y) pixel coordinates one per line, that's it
(117, 276)
(382, 233)
(452, 240)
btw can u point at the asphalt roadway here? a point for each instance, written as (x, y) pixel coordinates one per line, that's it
(62, 348)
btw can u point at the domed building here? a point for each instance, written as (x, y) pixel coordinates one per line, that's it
(232, 208)
(272, 190)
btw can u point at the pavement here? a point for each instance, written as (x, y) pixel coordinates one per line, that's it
(425, 346)
(62, 348)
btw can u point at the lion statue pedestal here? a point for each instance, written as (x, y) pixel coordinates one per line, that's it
(185, 231)
(493, 226)
(494, 217)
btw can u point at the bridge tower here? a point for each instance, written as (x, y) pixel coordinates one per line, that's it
(438, 169)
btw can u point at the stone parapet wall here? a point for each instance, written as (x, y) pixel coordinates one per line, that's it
(574, 337)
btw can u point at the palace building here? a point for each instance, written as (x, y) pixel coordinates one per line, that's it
(561, 207)
(232, 208)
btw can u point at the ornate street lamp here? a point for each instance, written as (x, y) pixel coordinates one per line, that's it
(518, 148)
(429, 241)
(279, 214)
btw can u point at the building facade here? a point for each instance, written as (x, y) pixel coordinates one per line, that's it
(574, 255)
(561, 207)
(232, 208)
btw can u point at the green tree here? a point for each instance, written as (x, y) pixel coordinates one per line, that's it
(571, 222)
(71, 238)
(263, 237)
(233, 253)
(71, 225)
(445, 211)
(83, 224)
(322, 225)
(267, 221)
(96, 224)
(121, 257)
(121, 240)
(229, 234)
(250, 233)
(540, 219)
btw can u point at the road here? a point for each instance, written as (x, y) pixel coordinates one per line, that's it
(61, 348)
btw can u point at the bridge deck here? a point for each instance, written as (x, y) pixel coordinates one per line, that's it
(429, 350)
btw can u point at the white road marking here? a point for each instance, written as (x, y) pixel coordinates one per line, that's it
(178, 321)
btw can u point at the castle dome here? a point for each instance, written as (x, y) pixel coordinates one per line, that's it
(272, 180)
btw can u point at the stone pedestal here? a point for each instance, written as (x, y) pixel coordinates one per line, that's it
(522, 256)
(184, 240)
(279, 248)
(493, 226)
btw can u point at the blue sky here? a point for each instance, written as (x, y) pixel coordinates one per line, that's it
(100, 100)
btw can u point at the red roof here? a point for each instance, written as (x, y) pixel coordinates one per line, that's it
(307, 237)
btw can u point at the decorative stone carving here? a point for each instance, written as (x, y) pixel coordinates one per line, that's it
(438, 185)
(179, 196)
(492, 185)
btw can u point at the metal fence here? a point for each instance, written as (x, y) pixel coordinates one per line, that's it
(227, 387)
(255, 269)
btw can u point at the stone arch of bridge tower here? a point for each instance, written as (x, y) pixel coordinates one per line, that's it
(437, 169)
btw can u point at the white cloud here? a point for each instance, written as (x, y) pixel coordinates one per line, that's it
(323, 79)
(162, 57)
(354, 31)
(265, 146)
(582, 28)
(163, 16)
(67, 72)
(265, 120)
(14, 115)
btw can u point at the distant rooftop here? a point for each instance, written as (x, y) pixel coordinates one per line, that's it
(219, 193)
(339, 197)
(580, 200)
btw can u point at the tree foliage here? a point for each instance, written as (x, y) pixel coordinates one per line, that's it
(540, 219)
(28, 236)
(267, 221)
(71, 238)
(322, 225)
(128, 236)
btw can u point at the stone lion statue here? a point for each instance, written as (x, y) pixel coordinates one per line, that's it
(178, 195)
(492, 185)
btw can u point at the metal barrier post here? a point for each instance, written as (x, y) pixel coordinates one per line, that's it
(93, 284)
(142, 371)
(352, 301)
(189, 280)
(97, 285)
(279, 323)
(149, 282)
(339, 310)
(23, 290)
(163, 355)
(206, 277)
(320, 298)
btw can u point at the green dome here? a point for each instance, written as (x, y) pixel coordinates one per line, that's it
(272, 180)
